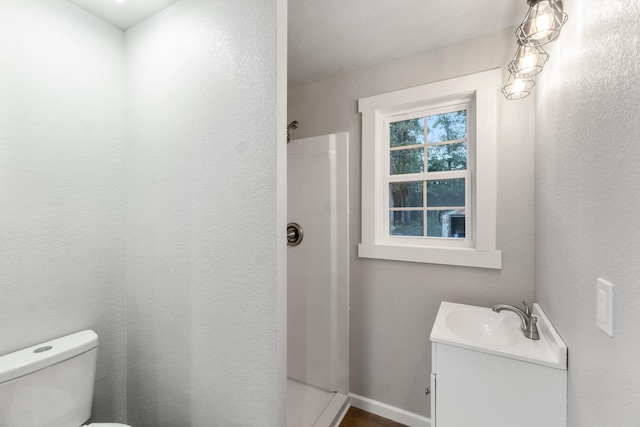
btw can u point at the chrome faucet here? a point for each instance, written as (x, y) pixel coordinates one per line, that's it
(528, 323)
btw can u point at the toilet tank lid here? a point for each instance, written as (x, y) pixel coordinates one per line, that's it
(40, 356)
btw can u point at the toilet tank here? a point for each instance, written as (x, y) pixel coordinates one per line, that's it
(49, 384)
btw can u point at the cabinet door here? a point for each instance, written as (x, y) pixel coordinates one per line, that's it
(482, 390)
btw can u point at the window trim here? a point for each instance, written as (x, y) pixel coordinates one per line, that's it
(375, 110)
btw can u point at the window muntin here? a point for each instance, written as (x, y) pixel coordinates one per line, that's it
(427, 184)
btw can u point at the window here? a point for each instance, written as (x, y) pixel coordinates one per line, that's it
(427, 180)
(429, 173)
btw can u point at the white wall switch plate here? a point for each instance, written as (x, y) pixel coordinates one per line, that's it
(604, 306)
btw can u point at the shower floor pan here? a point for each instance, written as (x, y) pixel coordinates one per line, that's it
(309, 406)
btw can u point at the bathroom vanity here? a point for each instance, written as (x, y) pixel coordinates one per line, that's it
(486, 373)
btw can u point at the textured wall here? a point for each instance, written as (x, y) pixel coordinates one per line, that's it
(394, 304)
(587, 199)
(201, 251)
(62, 184)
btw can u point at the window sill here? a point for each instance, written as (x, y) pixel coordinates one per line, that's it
(463, 257)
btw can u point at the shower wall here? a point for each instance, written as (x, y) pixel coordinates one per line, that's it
(318, 268)
(62, 149)
(202, 243)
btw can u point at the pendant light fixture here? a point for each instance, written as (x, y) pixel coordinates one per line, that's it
(529, 60)
(542, 23)
(518, 87)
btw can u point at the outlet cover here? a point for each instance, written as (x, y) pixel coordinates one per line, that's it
(604, 306)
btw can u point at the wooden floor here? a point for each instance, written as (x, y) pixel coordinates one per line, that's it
(358, 418)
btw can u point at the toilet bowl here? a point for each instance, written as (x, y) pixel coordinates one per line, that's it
(56, 377)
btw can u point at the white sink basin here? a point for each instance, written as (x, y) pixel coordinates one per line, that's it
(481, 329)
(483, 326)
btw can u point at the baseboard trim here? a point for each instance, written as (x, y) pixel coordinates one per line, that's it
(387, 411)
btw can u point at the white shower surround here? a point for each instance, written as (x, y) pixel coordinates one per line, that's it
(318, 278)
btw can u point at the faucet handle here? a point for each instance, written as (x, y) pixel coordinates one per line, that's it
(531, 330)
(527, 310)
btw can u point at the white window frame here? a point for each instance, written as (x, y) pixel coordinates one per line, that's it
(479, 250)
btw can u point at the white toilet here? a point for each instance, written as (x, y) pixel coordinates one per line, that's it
(50, 384)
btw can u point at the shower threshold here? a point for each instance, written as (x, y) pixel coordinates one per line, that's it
(309, 406)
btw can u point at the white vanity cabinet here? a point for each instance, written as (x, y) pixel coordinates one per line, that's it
(479, 381)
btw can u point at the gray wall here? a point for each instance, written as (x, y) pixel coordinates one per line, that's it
(394, 304)
(62, 149)
(202, 312)
(587, 200)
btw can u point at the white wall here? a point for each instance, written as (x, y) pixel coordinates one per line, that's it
(394, 304)
(587, 199)
(194, 171)
(62, 184)
(202, 286)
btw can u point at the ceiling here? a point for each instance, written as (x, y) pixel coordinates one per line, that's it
(126, 14)
(328, 37)
(333, 36)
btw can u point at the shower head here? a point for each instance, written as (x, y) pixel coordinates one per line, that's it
(292, 125)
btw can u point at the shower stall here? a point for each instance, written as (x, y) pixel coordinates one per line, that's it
(318, 281)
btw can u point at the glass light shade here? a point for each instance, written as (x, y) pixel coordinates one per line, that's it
(518, 87)
(542, 23)
(529, 60)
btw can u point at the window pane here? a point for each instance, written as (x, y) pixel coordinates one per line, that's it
(407, 132)
(406, 223)
(405, 195)
(447, 157)
(447, 126)
(446, 224)
(407, 161)
(445, 192)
